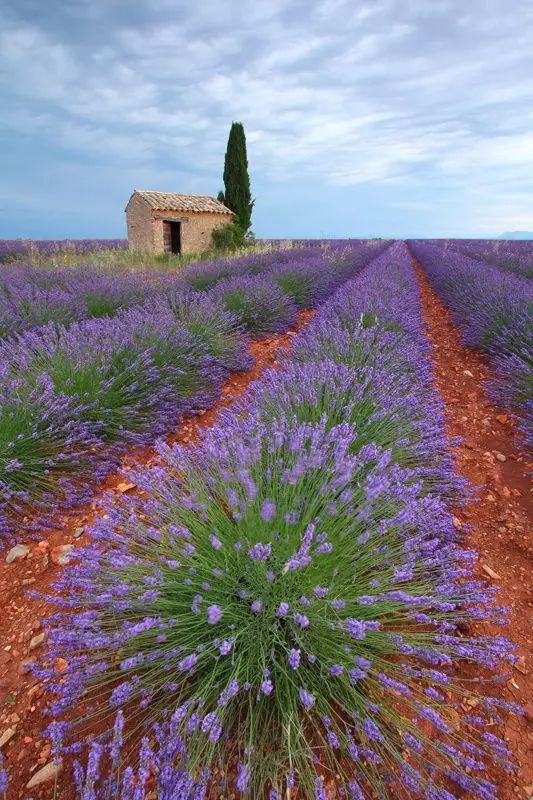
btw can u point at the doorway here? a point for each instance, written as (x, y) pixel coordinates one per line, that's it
(172, 236)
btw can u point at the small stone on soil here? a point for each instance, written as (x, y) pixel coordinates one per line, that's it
(521, 665)
(490, 572)
(17, 553)
(61, 554)
(6, 736)
(47, 773)
(25, 665)
(125, 486)
(37, 640)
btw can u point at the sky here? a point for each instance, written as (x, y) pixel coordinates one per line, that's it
(393, 118)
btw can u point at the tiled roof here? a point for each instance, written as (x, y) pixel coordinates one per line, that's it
(172, 201)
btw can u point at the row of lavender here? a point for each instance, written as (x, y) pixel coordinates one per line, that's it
(509, 255)
(494, 311)
(31, 297)
(14, 249)
(72, 398)
(287, 604)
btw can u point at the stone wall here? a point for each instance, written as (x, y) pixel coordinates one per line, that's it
(139, 224)
(196, 229)
(145, 227)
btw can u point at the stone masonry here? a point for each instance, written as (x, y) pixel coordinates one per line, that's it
(145, 223)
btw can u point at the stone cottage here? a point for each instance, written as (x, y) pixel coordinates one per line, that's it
(168, 222)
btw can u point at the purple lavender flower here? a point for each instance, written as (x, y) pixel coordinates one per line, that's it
(211, 725)
(306, 699)
(4, 782)
(230, 691)
(214, 614)
(243, 777)
(294, 658)
(260, 552)
(333, 739)
(268, 510)
(357, 628)
(282, 610)
(372, 731)
(122, 693)
(195, 605)
(225, 647)
(215, 542)
(188, 662)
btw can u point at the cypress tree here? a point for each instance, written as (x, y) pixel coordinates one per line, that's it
(237, 196)
(220, 197)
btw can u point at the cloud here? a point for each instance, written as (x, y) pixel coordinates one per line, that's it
(394, 94)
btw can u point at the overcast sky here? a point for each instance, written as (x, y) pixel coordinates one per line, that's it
(380, 118)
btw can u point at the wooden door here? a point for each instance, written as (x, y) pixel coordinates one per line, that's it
(175, 237)
(167, 237)
(171, 236)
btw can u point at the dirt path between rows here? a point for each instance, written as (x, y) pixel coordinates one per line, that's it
(22, 699)
(497, 523)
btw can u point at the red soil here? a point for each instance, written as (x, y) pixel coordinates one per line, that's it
(22, 697)
(497, 522)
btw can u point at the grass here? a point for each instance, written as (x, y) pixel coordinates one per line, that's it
(119, 261)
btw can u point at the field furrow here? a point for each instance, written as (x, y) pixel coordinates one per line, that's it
(496, 520)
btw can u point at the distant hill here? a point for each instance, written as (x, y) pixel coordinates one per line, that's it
(517, 235)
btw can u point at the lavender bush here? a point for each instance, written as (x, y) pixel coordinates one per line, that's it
(509, 255)
(304, 284)
(205, 317)
(71, 399)
(47, 453)
(260, 305)
(287, 603)
(112, 381)
(32, 297)
(308, 282)
(494, 311)
(205, 274)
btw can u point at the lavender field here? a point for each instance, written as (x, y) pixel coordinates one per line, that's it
(285, 606)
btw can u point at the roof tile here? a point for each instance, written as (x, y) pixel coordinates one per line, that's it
(173, 201)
